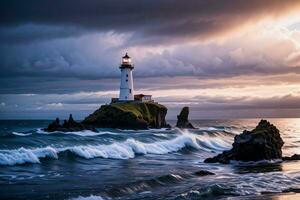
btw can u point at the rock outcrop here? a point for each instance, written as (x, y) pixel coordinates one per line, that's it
(203, 173)
(182, 119)
(262, 143)
(293, 157)
(129, 115)
(68, 126)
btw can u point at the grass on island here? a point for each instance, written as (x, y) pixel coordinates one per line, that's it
(146, 110)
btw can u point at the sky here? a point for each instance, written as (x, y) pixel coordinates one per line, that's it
(223, 59)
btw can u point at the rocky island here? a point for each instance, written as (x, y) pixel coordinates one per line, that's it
(262, 143)
(123, 115)
(129, 115)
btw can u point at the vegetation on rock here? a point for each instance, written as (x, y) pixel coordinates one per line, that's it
(130, 115)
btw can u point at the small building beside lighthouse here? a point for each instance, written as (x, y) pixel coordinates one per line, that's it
(126, 93)
(126, 85)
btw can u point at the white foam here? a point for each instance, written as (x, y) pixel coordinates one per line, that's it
(118, 150)
(22, 155)
(92, 197)
(210, 129)
(210, 142)
(41, 131)
(21, 134)
(130, 147)
(219, 143)
(115, 151)
(83, 133)
(88, 133)
(146, 130)
(255, 163)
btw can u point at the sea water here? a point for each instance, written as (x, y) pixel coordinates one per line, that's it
(140, 164)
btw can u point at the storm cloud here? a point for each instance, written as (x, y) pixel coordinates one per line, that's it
(148, 21)
(183, 52)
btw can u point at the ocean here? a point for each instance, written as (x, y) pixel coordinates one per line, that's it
(144, 164)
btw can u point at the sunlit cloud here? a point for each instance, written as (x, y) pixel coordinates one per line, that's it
(204, 55)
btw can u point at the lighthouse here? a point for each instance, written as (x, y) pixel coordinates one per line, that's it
(126, 85)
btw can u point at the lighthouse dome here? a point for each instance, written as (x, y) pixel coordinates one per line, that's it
(126, 62)
(126, 59)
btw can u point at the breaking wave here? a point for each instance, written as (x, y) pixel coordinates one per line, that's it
(116, 150)
(21, 134)
(22, 155)
(83, 133)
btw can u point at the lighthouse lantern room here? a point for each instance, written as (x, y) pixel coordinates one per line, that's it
(126, 86)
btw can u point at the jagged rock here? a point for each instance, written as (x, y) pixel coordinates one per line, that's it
(54, 125)
(262, 143)
(182, 119)
(129, 115)
(68, 126)
(293, 157)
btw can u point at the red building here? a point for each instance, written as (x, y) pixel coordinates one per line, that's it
(142, 97)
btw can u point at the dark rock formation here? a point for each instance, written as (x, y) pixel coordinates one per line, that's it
(68, 126)
(129, 115)
(262, 143)
(203, 173)
(55, 125)
(293, 157)
(182, 119)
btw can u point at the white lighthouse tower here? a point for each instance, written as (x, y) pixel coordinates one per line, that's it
(126, 86)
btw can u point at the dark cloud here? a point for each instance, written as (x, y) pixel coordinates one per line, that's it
(55, 85)
(29, 33)
(59, 49)
(148, 21)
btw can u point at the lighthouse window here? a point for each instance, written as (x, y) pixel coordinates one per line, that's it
(130, 91)
(126, 75)
(126, 80)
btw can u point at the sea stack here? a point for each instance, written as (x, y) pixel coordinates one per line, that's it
(262, 143)
(182, 119)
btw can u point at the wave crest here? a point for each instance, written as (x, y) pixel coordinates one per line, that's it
(83, 133)
(22, 155)
(21, 134)
(117, 150)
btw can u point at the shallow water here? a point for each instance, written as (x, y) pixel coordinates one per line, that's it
(150, 164)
